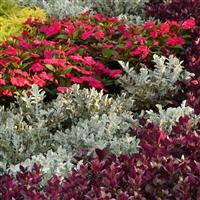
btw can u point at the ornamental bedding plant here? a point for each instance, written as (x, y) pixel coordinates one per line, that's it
(167, 167)
(84, 50)
(181, 10)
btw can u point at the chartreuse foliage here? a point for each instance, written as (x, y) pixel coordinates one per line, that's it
(13, 16)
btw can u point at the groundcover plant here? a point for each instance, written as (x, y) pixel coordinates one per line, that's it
(99, 101)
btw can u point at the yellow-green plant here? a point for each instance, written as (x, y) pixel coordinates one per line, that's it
(13, 16)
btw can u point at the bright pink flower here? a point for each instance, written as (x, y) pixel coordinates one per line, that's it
(115, 73)
(101, 68)
(76, 80)
(46, 76)
(89, 27)
(154, 33)
(71, 51)
(111, 19)
(37, 67)
(69, 76)
(137, 51)
(92, 82)
(29, 21)
(174, 23)
(99, 35)
(69, 29)
(58, 52)
(96, 84)
(61, 89)
(111, 31)
(14, 59)
(164, 28)
(141, 40)
(128, 44)
(20, 72)
(37, 42)
(54, 29)
(56, 62)
(77, 57)
(64, 89)
(38, 81)
(7, 93)
(88, 60)
(108, 45)
(173, 41)
(25, 45)
(86, 35)
(19, 82)
(2, 82)
(78, 23)
(10, 51)
(86, 13)
(79, 70)
(188, 24)
(126, 34)
(98, 16)
(48, 54)
(122, 28)
(148, 25)
(46, 42)
(194, 82)
(143, 50)
(155, 43)
(3, 62)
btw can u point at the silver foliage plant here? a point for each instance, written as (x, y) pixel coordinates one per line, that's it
(53, 162)
(59, 8)
(33, 127)
(107, 130)
(166, 118)
(150, 87)
(110, 8)
(113, 8)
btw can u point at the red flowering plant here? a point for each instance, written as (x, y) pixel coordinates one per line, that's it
(83, 49)
(181, 10)
(166, 167)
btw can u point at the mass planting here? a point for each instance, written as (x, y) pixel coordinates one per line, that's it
(84, 50)
(165, 167)
(180, 10)
(100, 106)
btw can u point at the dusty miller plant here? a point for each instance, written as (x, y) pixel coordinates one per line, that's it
(110, 8)
(166, 118)
(31, 127)
(59, 8)
(138, 20)
(113, 8)
(150, 87)
(53, 163)
(100, 131)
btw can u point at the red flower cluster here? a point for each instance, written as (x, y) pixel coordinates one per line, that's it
(77, 50)
(181, 10)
